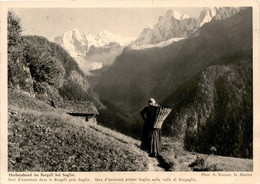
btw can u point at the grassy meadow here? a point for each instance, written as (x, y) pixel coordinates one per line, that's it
(43, 138)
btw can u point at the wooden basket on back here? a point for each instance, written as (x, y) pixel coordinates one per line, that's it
(161, 114)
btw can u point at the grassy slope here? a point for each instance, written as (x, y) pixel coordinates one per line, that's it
(42, 138)
(179, 160)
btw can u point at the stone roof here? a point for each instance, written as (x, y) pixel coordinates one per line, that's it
(79, 107)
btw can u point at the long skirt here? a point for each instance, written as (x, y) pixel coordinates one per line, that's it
(145, 137)
(155, 141)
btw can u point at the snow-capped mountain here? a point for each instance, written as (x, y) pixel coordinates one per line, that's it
(105, 37)
(206, 15)
(177, 15)
(172, 25)
(73, 42)
(176, 26)
(216, 13)
(78, 44)
(92, 51)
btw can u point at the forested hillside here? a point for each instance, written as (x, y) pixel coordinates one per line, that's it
(215, 108)
(41, 68)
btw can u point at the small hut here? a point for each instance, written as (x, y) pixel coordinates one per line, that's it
(84, 109)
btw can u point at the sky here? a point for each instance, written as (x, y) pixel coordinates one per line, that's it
(127, 22)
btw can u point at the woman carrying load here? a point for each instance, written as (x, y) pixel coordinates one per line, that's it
(151, 137)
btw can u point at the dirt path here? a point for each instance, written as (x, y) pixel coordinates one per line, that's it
(154, 165)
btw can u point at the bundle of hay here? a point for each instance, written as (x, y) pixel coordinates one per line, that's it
(161, 114)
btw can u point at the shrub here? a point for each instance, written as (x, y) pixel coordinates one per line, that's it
(201, 164)
(14, 29)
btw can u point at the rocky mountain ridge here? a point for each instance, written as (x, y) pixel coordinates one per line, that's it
(177, 25)
(96, 51)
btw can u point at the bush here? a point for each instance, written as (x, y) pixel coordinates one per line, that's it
(18, 74)
(201, 164)
(14, 29)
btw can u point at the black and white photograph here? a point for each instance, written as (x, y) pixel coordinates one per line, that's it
(130, 89)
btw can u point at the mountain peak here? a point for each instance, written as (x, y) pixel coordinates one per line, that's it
(216, 13)
(74, 33)
(175, 25)
(177, 15)
(206, 15)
